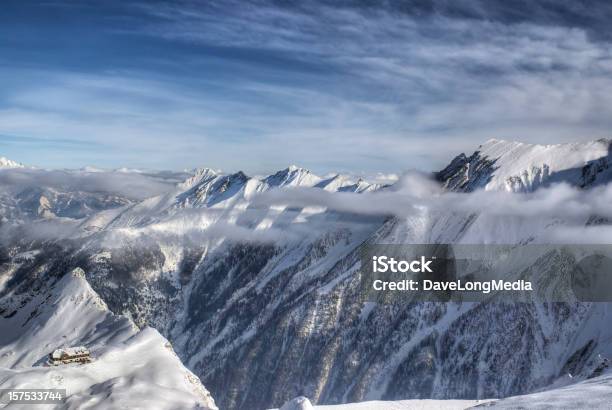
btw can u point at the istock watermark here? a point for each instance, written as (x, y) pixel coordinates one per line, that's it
(509, 273)
(382, 264)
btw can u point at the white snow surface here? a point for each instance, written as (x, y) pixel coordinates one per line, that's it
(131, 368)
(595, 393)
(302, 403)
(530, 164)
(293, 176)
(299, 403)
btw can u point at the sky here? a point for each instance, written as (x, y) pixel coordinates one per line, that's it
(358, 86)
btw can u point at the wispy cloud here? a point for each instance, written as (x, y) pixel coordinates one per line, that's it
(257, 85)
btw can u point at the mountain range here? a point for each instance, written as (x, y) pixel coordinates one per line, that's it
(253, 283)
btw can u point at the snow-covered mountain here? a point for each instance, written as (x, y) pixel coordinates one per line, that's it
(28, 194)
(6, 163)
(263, 302)
(292, 176)
(131, 368)
(520, 167)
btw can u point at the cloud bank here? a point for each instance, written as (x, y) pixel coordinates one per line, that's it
(564, 213)
(582, 216)
(131, 185)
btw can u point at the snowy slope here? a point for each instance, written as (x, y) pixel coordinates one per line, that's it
(595, 393)
(405, 405)
(292, 176)
(302, 403)
(131, 368)
(224, 198)
(343, 183)
(521, 167)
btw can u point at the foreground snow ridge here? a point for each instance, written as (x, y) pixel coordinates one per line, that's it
(595, 393)
(299, 403)
(132, 368)
(302, 403)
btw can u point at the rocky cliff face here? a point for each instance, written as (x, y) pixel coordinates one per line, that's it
(263, 321)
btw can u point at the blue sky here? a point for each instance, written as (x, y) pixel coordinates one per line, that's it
(351, 86)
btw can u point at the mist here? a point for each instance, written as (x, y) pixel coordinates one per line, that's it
(131, 185)
(413, 195)
(417, 192)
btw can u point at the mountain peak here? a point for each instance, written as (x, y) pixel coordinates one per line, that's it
(293, 176)
(200, 172)
(199, 175)
(6, 163)
(521, 167)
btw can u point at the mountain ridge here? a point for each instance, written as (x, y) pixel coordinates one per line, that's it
(520, 167)
(263, 321)
(70, 313)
